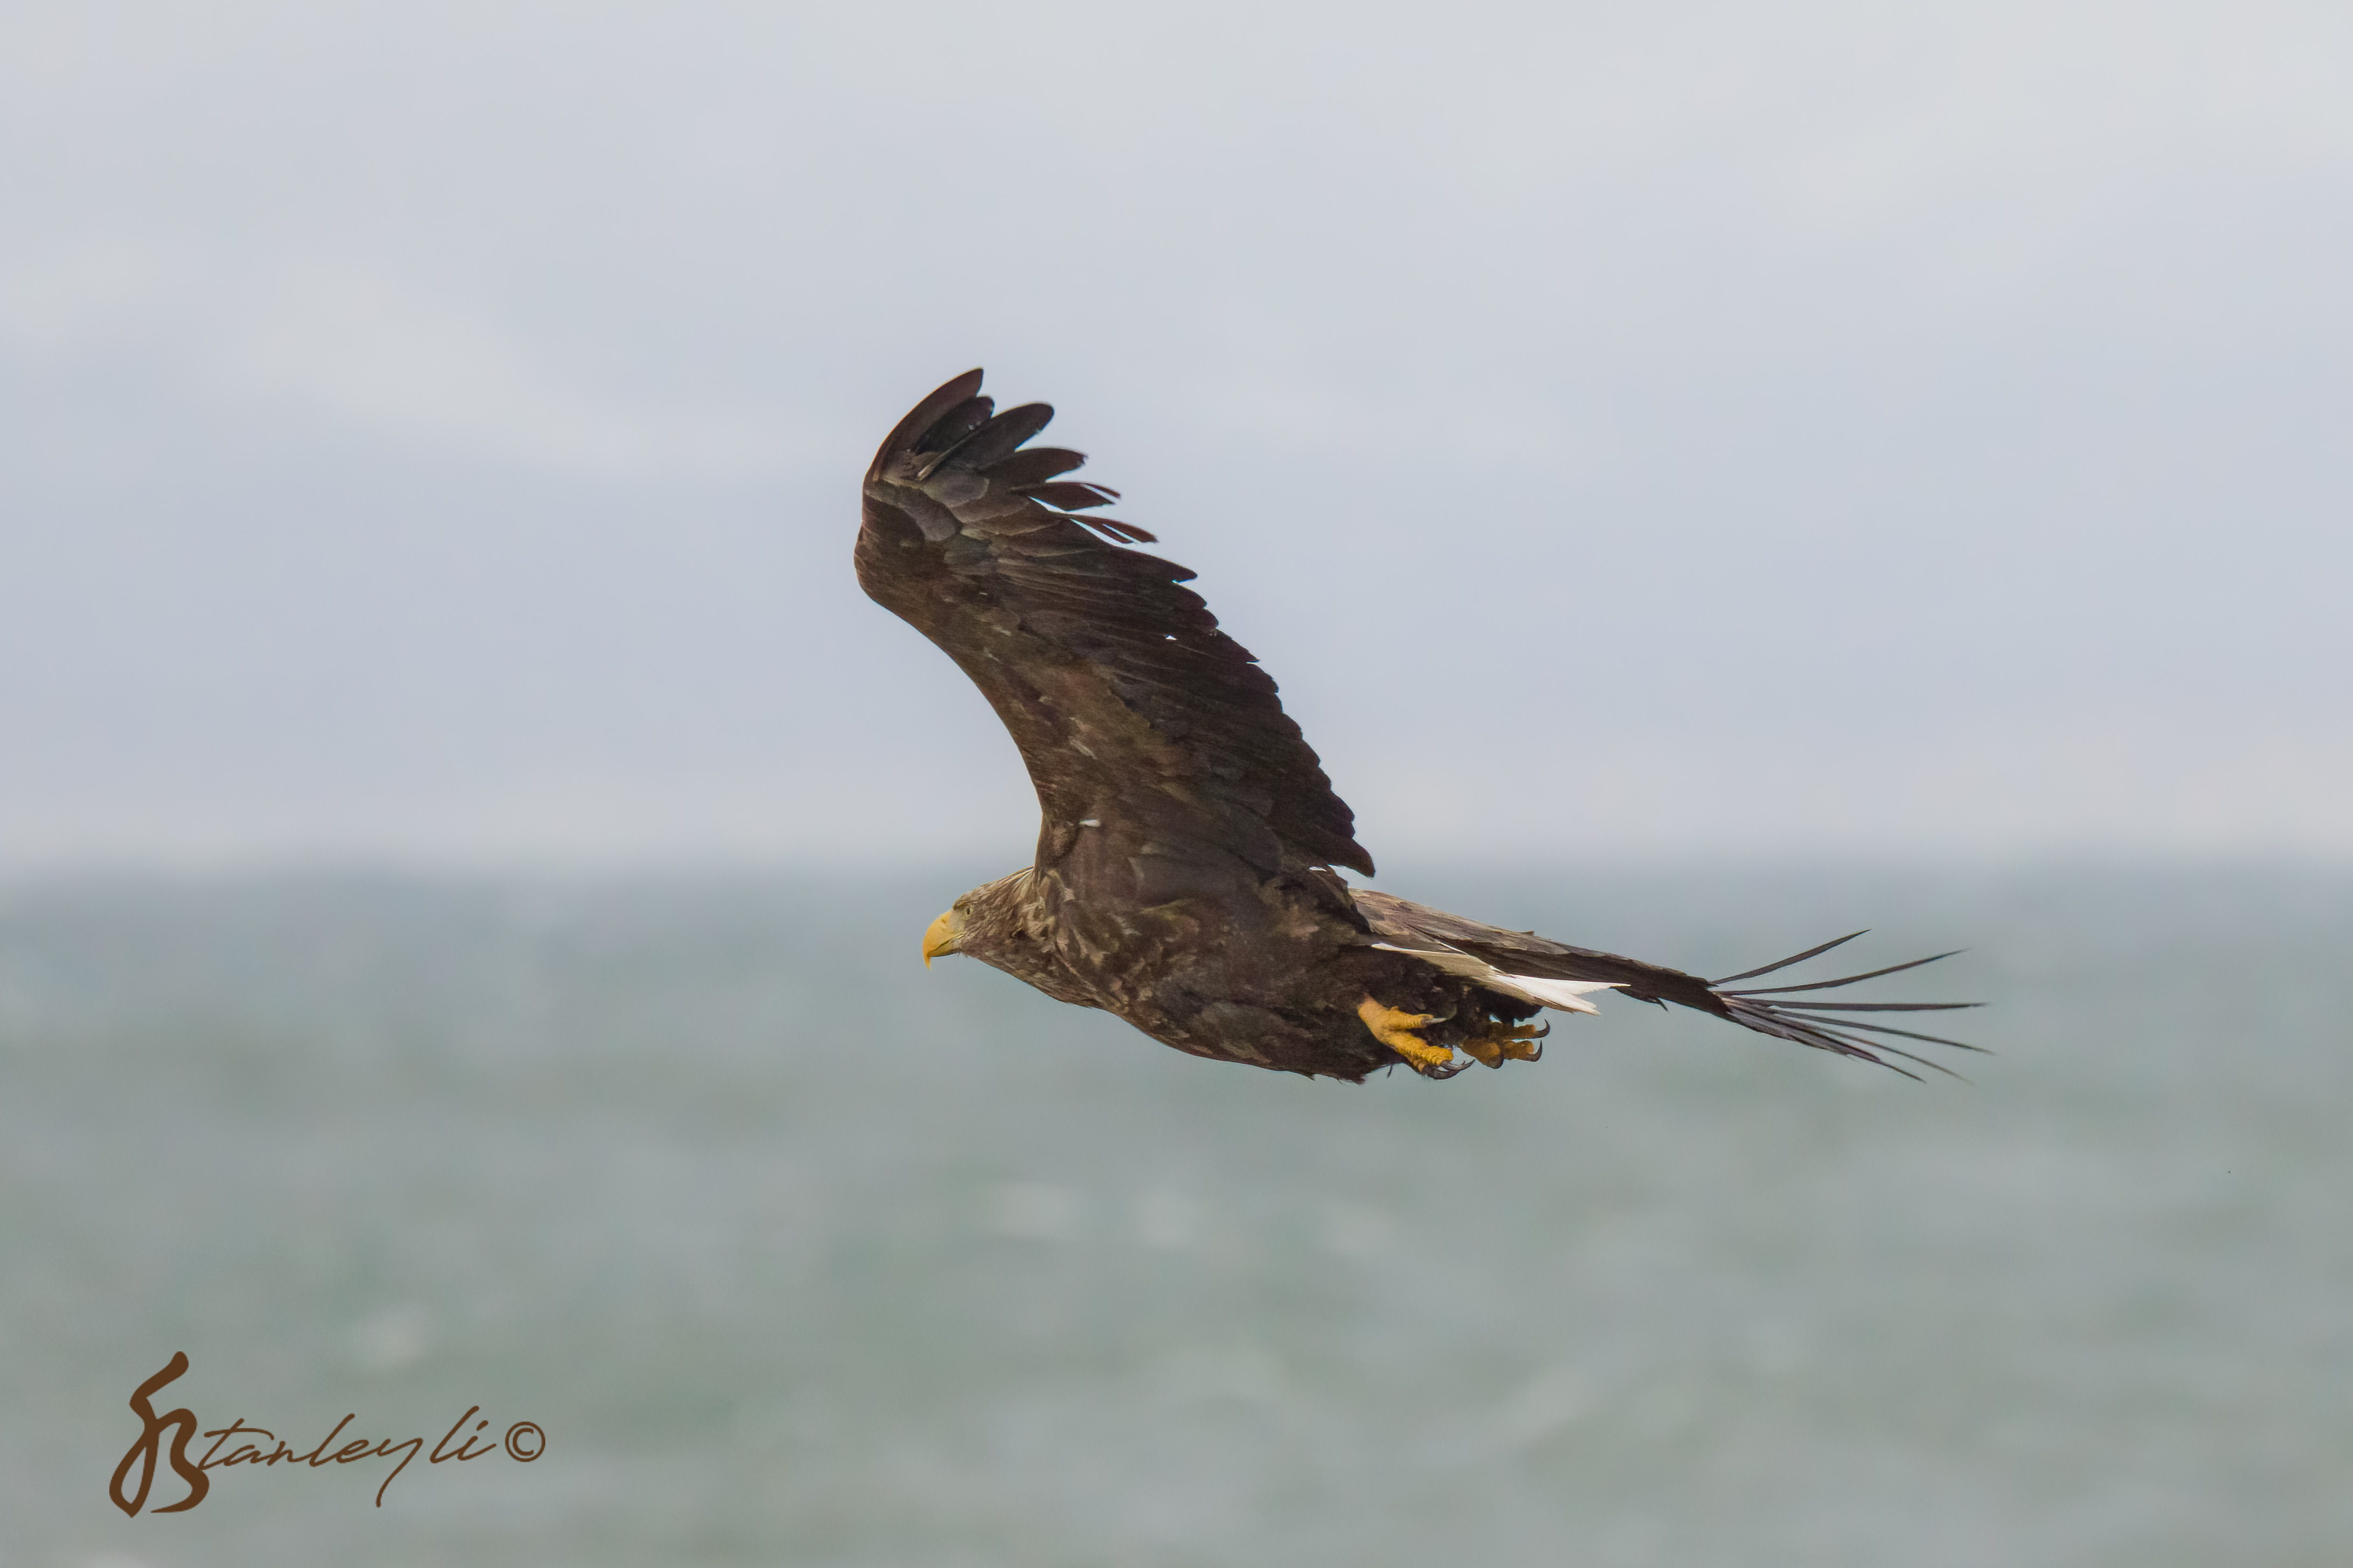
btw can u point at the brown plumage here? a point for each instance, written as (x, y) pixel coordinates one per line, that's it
(1183, 872)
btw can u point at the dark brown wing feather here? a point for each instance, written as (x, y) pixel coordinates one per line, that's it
(1523, 952)
(1125, 699)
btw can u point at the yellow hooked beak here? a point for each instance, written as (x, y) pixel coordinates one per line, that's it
(940, 936)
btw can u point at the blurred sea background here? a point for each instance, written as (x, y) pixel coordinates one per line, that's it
(1707, 478)
(800, 1254)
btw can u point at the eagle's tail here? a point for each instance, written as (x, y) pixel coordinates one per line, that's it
(1518, 963)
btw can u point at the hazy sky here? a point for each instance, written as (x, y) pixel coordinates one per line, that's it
(433, 431)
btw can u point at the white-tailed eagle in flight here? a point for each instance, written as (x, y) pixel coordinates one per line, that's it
(1184, 875)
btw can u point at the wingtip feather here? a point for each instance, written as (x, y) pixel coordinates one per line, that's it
(925, 415)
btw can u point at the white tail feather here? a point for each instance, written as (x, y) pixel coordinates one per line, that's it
(1566, 994)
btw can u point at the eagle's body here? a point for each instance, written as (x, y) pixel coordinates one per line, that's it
(1184, 875)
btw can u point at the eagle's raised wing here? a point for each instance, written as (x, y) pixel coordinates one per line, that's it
(1129, 705)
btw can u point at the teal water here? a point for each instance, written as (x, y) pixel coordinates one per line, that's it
(800, 1254)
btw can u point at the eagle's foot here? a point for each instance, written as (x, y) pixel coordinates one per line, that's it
(1499, 1042)
(1395, 1029)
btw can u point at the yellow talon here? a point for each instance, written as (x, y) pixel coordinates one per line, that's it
(1395, 1029)
(1517, 1042)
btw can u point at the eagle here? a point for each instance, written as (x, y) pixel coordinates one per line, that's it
(1186, 876)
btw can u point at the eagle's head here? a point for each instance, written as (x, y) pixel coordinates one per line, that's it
(984, 922)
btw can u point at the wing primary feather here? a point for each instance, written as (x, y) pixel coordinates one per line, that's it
(1035, 465)
(1070, 495)
(1871, 1049)
(1125, 532)
(1833, 984)
(1891, 1030)
(1886, 1006)
(1823, 1038)
(1797, 958)
(951, 429)
(995, 440)
(926, 413)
